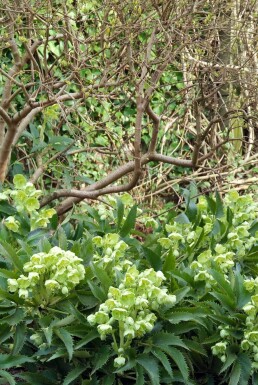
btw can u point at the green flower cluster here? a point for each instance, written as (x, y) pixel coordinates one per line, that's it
(231, 237)
(111, 255)
(250, 341)
(220, 350)
(50, 276)
(221, 256)
(26, 199)
(129, 308)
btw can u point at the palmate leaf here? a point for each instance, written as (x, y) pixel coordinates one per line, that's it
(150, 366)
(8, 377)
(179, 360)
(67, 339)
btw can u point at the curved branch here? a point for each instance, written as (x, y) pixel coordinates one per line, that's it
(103, 187)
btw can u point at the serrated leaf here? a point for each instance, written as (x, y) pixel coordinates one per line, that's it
(108, 379)
(8, 361)
(62, 239)
(58, 353)
(235, 374)
(8, 377)
(182, 219)
(97, 291)
(102, 357)
(88, 338)
(246, 366)
(67, 339)
(223, 284)
(179, 360)
(58, 323)
(102, 276)
(167, 339)
(119, 213)
(44, 245)
(231, 358)
(150, 366)
(196, 347)
(139, 375)
(169, 263)
(19, 338)
(129, 222)
(161, 356)
(176, 317)
(8, 252)
(219, 206)
(7, 273)
(14, 318)
(73, 375)
(181, 293)
(153, 258)
(36, 379)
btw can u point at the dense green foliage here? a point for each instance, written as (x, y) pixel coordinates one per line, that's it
(92, 300)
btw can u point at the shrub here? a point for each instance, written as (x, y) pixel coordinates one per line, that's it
(86, 302)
